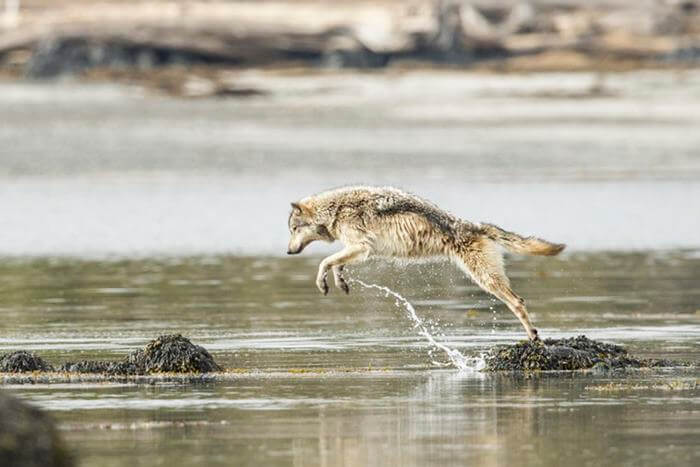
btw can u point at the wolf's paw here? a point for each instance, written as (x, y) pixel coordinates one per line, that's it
(322, 285)
(339, 280)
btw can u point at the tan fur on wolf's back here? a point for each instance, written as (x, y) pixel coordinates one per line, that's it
(388, 222)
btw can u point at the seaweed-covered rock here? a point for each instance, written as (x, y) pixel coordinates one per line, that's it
(575, 353)
(169, 353)
(22, 362)
(88, 366)
(28, 437)
(172, 353)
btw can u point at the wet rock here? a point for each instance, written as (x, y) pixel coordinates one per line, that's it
(167, 354)
(28, 437)
(172, 353)
(22, 362)
(575, 353)
(88, 366)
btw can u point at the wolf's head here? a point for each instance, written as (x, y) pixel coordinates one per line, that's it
(304, 229)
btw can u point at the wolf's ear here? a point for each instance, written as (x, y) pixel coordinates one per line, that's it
(301, 209)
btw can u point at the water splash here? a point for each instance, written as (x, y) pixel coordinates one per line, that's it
(495, 319)
(458, 360)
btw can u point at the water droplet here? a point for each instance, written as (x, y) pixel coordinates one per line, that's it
(456, 357)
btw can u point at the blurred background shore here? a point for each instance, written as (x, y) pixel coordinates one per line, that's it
(187, 47)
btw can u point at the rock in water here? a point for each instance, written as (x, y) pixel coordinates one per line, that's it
(166, 354)
(574, 353)
(28, 437)
(23, 362)
(172, 353)
(88, 366)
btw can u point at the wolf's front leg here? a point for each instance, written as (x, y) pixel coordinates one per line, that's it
(339, 279)
(321, 281)
(336, 261)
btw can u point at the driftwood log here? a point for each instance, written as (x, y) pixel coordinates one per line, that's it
(70, 37)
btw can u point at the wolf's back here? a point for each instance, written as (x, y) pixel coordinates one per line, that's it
(519, 244)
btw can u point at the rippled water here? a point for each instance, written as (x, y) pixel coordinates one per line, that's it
(350, 380)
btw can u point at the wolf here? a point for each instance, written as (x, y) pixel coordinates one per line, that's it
(388, 222)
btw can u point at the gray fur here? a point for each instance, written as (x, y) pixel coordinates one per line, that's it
(373, 221)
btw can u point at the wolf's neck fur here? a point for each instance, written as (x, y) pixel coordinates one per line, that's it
(331, 207)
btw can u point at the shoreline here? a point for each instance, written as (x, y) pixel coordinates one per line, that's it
(163, 45)
(196, 82)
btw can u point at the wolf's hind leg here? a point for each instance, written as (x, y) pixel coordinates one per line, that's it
(515, 303)
(486, 269)
(339, 280)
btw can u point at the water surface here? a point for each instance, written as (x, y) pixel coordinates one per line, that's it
(349, 380)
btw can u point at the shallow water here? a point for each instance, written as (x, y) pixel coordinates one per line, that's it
(349, 380)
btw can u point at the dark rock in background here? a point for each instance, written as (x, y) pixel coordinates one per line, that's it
(28, 437)
(22, 362)
(59, 56)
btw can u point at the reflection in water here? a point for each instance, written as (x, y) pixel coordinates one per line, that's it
(448, 419)
(381, 418)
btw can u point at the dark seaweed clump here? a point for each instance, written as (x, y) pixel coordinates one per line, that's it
(23, 362)
(574, 353)
(171, 353)
(91, 366)
(28, 437)
(166, 354)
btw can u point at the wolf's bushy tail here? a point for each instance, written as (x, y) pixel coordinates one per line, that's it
(519, 244)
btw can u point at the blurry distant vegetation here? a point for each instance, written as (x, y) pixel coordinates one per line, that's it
(140, 39)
